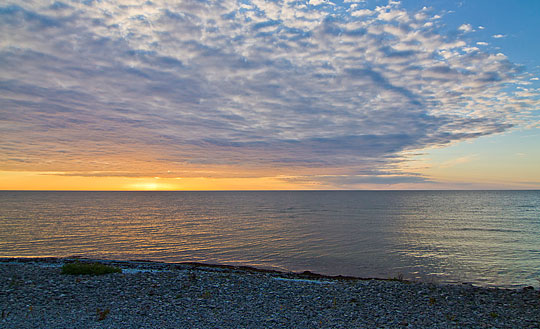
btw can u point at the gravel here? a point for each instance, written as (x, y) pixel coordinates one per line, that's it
(34, 294)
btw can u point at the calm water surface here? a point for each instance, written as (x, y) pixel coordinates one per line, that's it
(489, 238)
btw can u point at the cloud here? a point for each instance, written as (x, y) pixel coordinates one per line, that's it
(230, 88)
(466, 28)
(498, 36)
(356, 181)
(317, 2)
(481, 43)
(362, 12)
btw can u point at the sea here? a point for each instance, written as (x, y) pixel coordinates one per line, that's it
(483, 238)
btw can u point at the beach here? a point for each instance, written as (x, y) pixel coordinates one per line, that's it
(34, 293)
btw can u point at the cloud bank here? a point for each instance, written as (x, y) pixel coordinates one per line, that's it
(237, 88)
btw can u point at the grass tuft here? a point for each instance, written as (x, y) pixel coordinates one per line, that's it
(89, 269)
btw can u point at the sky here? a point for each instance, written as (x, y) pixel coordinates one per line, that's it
(265, 95)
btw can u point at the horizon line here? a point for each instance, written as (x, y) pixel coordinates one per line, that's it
(291, 190)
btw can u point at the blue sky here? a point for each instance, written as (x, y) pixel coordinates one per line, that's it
(311, 94)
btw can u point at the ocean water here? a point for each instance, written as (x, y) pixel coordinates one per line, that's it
(487, 238)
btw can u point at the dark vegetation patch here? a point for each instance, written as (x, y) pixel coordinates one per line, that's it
(78, 268)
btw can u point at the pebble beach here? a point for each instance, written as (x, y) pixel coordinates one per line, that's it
(34, 294)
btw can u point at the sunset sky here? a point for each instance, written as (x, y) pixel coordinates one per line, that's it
(256, 95)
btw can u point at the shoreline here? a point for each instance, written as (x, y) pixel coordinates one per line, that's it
(144, 263)
(307, 274)
(151, 294)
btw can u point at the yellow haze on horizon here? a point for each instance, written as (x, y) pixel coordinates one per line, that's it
(10, 180)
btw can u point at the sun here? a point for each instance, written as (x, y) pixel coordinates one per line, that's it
(147, 186)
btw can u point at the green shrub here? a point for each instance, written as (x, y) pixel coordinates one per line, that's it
(89, 268)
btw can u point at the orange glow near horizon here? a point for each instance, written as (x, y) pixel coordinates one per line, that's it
(56, 181)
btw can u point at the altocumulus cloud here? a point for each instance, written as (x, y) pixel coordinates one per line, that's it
(298, 87)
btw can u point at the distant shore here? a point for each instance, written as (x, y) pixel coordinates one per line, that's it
(34, 293)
